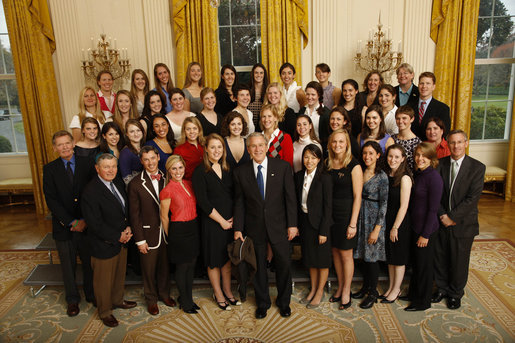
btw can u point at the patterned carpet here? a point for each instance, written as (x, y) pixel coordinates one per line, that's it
(487, 313)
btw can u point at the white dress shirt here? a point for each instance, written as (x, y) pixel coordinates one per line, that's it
(308, 179)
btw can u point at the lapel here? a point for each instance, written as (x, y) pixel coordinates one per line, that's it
(270, 178)
(314, 185)
(461, 173)
(146, 183)
(110, 196)
(61, 169)
(252, 178)
(446, 173)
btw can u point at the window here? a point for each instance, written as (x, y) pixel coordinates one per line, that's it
(494, 74)
(240, 35)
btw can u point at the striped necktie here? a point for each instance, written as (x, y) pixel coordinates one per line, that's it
(421, 111)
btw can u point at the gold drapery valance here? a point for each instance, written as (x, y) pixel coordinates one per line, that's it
(195, 25)
(284, 24)
(32, 44)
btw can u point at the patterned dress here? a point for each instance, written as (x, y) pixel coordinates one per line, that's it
(373, 212)
(409, 145)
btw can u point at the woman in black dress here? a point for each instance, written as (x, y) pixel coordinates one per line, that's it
(234, 128)
(208, 118)
(226, 91)
(397, 235)
(212, 182)
(89, 144)
(347, 187)
(314, 197)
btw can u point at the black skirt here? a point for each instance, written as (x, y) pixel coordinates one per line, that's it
(314, 254)
(342, 211)
(183, 241)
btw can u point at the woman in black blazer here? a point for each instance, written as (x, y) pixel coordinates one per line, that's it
(314, 198)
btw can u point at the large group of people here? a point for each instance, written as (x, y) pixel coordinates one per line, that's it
(174, 176)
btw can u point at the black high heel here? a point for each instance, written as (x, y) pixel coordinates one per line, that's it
(347, 305)
(223, 305)
(386, 301)
(369, 301)
(359, 295)
(233, 301)
(334, 299)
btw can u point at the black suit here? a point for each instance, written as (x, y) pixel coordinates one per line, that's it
(413, 98)
(267, 221)
(453, 244)
(62, 198)
(106, 219)
(435, 109)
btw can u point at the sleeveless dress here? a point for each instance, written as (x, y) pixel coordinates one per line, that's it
(397, 253)
(328, 96)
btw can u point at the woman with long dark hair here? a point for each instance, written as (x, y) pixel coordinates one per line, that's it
(153, 105)
(226, 91)
(258, 85)
(316, 110)
(139, 88)
(163, 139)
(163, 84)
(352, 104)
(130, 163)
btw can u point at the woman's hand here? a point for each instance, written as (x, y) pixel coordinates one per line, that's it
(226, 224)
(322, 239)
(422, 242)
(394, 234)
(372, 238)
(351, 232)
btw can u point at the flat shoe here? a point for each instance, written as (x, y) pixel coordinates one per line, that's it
(304, 301)
(312, 306)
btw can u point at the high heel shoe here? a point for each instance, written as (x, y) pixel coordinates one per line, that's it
(334, 299)
(369, 301)
(386, 301)
(222, 304)
(359, 295)
(233, 301)
(345, 306)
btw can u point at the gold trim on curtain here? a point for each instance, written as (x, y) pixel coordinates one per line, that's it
(32, 44)
(454, 30)
(195, 25)
(284, 24)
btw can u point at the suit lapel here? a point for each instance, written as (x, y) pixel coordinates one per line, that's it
(446, 173)
(270, 178)
(107, 193)
(146, 183)
(252, 178)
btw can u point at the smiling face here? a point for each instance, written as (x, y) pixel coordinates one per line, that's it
(421, 161)
(150, 161)
(386, 99)
(195, 73)
(310, 161)
(124, 103)
(370, 156)
(177, 101)
(268, 120)
(373, 83)
(209, 101)
(105, 83)
(339, 144)
(139, 81)
(134, 134)
(403, 121)
(404, 77)
(107, 169)
(243, 98)
(322, 76)
(64, 147)
(287, 76)
(112, 137)
(394, 159)
(176, 171)
(458, 145)
(228, 77)
(337, 121)
(160, 127)
(312, 97)
(349, 92)
(90, 98)
(259, 75)
(303, 127)
(236, 126)
(426, 87)
(163, 76)
(434, 133)
(274, 95)
(215, 150)
(155, 104)
(90, 131)
(191, 131)
(373, 120)
(257, 148)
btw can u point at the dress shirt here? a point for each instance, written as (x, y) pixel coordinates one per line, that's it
(390, 123)
(308, 179)
(427, 101)
(108, 185)
(315, 118)
(404, 97)
(183, 206)
(192, 155)
(460, 161)
(264, 164)
(72, 160)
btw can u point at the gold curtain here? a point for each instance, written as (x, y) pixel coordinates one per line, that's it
(284, 24)
(195, 25)
(454, 30)
(32, 44)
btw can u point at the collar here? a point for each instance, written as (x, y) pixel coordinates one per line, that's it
(409, 90)
(275, 134)
(460, 161)
(427, 101)
(72, 160)
(311, 175)
(101, 95)
(264, 164)
(158, 172)
(305, 141)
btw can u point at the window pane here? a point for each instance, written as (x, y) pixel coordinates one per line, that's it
(485, 8)
(7, 143)
(480, 82)
(244, 77)
(502, 38)
(477, 120)
(243, 12)
(244, 45)
(225, 45)
(11, 125)
(223, 12)
(499, 83)
(495, 120)
(483, 37)
(502, 7)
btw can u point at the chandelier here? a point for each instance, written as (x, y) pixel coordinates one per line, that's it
(104, 55)
(378, 54)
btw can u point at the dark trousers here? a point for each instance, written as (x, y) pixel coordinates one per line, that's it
(421, 284)
(184, 280)
(68, 251)
(370, 277)
(155, 272)
(282, 275)
(109, 281)
(452, 257)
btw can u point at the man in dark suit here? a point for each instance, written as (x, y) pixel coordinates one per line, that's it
(407, 92)
(150, 238)
(463, 179)
(428, 107)
(63, 181)
(105, 209)
(265, 209)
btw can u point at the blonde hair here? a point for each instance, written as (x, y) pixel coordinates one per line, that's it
(188, 81)
(117, 116)
(98, 114)
(282, 106)
(170, 162)
(196, 122)
(428, 151)
(347, 155)
(222, 161)
(271, 108)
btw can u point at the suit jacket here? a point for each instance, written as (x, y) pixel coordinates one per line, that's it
(319, 202)
(413, 98)
(144, 216)
(63, 198)
(434, 109)
(105, 216)
(269, 217)
(467, 189)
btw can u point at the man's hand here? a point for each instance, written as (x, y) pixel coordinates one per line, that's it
(292, 232)
(143, 248)
(125, 235)
(422, 242)
(322, 239)
(446, 221)
(238, 235)
(80, 227)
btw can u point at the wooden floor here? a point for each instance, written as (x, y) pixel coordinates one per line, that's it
(21, 228)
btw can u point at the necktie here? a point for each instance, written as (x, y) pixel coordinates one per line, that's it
(156, 177)
(454, 172)
(69, 171)
(260, 182)
(115, 193)
(421, 111)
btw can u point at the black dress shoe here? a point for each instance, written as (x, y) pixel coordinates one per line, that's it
(110, 321)
(334, 299)
(190, 311)
(73, 310)
(196, 307)
(437, 297)
(153, 309)
(412, 308)
(368, 302)
(453, 303)
(260, 313)
(359, 295)
(285, 311)
(126, 304)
